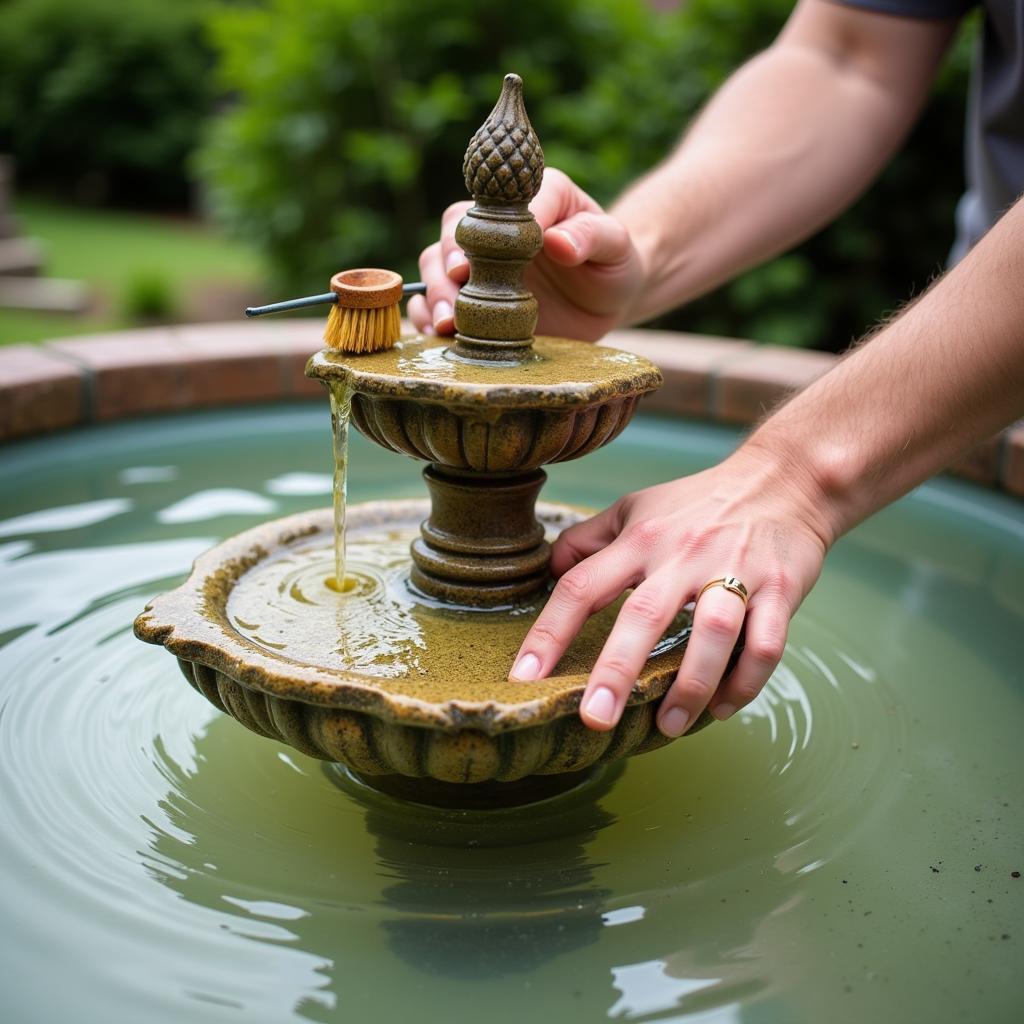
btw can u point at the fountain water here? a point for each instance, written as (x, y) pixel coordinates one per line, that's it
(815, 858)
(406, 676)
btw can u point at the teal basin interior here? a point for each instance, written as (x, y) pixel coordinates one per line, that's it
(843, 850)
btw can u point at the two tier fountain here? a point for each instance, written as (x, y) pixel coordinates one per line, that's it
(401, 674)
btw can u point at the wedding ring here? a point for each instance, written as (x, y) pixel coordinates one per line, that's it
(730, 583)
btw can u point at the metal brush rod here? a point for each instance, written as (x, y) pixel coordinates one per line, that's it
(413, 288)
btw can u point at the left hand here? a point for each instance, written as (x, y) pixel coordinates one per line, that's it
(740, 518)
(584, 279)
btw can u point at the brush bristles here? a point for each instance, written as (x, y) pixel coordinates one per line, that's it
(362, 330)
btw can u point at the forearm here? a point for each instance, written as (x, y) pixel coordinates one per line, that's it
(789, 141)
(941, 378)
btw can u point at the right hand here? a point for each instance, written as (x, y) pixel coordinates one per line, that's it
(759, 515)
(584, 279)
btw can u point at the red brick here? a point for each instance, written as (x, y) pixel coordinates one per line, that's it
(755, 382)
(131, 372)
(169, 368)
(689, 363)
(39, 391)
(297, 341)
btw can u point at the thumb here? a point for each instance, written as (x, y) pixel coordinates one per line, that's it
(587, 237)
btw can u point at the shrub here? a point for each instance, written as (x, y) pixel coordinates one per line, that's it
(346, 140)
(102, 98)
(149, 298)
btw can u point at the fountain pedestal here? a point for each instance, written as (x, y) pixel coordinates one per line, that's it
(482, 543)
(417, 686)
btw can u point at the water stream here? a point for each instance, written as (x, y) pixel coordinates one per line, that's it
(843, 850)
(341, 413)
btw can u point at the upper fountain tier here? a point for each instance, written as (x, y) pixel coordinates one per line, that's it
(489, 409)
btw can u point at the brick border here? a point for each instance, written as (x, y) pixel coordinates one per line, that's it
(101, 377)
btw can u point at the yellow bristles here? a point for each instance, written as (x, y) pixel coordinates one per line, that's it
(362, 330)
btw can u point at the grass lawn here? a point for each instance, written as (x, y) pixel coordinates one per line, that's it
(117, 254)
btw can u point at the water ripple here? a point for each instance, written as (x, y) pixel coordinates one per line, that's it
(843, 849)
(149, 826)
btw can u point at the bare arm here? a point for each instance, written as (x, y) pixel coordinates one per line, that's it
(942, 377)
(792, 138)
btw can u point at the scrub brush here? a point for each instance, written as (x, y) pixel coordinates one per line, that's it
(364, 316)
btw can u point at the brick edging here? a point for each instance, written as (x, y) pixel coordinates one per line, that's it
(102, 377)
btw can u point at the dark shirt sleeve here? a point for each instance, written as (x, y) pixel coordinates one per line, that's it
(914, 8)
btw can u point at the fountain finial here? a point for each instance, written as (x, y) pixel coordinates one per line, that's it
(504, 161)
(495, 315)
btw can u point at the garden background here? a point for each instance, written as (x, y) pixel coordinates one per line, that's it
(183, 159)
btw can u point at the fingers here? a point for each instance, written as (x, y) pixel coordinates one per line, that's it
(586, 588)
(453, 259)
(437, 310)
(559, 197)
(764, 644)
(642, 620)
(443, 267)
(717, 622)
(577, 231)
(587, 237)
(419, 313)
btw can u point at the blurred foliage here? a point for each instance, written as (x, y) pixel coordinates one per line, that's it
(149, 298)
(102, 99)
(105, 249)
(351, 118)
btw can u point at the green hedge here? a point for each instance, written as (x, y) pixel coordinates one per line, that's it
(103, 100)
(351, 119)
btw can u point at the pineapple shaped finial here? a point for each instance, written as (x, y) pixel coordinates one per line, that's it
(504, 161)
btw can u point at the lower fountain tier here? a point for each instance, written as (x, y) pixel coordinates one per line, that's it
(383, 680)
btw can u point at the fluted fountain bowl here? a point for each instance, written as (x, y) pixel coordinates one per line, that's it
(382, 680)
(565, 400)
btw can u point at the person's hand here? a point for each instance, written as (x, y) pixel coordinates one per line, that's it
(765, 527)
(584, 278)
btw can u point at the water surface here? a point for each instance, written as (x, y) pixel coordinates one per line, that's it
(842, 850)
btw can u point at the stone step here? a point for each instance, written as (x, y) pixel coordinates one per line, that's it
(22, 257)
(44, 294)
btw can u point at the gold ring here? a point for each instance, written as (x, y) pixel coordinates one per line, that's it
(730, 583)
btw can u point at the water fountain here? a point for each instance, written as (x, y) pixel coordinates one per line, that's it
(404, 673)
(848, 847)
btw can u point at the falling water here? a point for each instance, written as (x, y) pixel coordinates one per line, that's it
(341, 410)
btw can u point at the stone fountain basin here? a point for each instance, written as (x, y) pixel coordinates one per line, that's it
(569, 399)
(437, 724)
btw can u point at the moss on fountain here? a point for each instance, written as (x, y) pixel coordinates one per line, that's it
(486, 412)
(453, 717)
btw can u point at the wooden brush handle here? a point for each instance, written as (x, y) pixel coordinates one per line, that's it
(367, 288)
